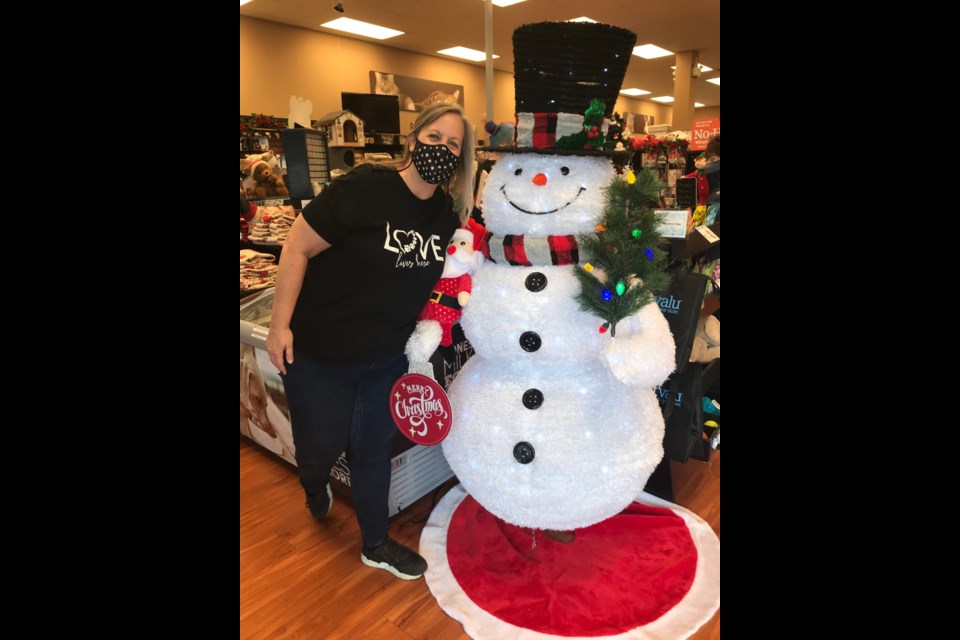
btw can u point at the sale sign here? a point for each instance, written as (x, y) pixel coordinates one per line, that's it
(703, 130)
(420, 408)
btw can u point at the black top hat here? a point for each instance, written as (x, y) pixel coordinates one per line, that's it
(567, 76)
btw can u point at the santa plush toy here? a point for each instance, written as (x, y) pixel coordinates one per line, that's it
(446, 302)
(557, 425)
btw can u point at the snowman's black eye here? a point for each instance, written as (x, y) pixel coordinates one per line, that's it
(518, 172)
(564, 170)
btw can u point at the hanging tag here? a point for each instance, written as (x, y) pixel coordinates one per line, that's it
(421, 409)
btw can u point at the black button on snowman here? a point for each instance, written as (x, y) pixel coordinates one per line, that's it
(530, 341)
(536, 281)
(532, 398)
(524, 452)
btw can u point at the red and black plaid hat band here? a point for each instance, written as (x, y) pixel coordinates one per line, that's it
(532, 251)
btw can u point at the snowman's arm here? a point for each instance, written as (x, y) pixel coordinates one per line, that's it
(420, 346)
(643, 352)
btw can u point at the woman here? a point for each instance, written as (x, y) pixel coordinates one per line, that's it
(712, 169)
(355, 271)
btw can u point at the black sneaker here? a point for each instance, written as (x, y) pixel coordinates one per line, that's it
(397, 559)
(319, 505)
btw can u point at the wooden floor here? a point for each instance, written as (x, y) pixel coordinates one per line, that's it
(303, 579)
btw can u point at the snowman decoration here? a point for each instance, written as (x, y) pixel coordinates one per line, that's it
(557, 424)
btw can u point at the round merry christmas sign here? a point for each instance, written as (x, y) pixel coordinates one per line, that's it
(420, 408)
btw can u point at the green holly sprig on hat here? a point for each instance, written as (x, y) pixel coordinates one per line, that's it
(591, 137)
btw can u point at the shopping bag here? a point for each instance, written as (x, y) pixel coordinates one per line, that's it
(680, 394)
(680, 304)
(680, 400)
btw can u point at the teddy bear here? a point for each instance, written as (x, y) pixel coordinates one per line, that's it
(247, 162)
(450, 294)
(706, 343)
(262, 183)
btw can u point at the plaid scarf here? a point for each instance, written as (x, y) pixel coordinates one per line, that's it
(521, 251)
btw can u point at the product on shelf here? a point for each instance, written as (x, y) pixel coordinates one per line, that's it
(257, 270)
(270, 225)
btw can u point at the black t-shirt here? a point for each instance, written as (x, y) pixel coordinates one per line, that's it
(360, 298)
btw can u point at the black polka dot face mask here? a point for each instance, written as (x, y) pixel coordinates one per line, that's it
(434, 162)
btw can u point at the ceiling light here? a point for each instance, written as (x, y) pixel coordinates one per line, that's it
(582, 19)
(663, 99)
(715, 81)
(650, 51)
(634, 92)
(506, 3)
(697, 105)
(243, 2)
(361, 28)
(703, 68)
(466, 54)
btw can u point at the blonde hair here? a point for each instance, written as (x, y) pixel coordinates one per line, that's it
(460, 185)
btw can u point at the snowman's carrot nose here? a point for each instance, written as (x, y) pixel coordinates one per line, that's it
(539, 179)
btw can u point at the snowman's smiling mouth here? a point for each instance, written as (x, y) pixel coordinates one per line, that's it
(503, 189)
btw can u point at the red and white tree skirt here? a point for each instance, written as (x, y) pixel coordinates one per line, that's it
(651, 572)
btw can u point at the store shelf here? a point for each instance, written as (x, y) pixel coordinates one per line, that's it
(253, 134)
(711, 375)
(694, 244)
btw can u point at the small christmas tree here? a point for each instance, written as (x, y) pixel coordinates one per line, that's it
(625, 265)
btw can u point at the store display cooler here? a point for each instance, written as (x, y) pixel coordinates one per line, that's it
(265, 418)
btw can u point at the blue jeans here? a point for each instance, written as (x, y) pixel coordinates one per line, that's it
(337, 408)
